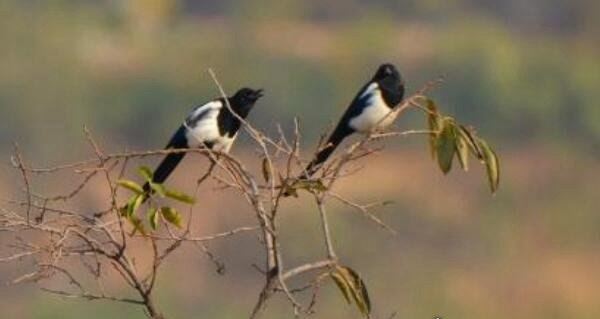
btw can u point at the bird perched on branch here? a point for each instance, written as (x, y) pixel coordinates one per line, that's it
(211, 125)
(370, 110)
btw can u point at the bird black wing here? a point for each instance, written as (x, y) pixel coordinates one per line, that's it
(168, 164)
(341, 131)
(179, 140)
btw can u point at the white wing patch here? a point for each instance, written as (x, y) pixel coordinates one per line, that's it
(374, 114)
(202, 127)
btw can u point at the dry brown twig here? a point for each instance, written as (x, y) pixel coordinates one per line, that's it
(100, 244)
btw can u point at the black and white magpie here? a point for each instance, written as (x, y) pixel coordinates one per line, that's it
(368, 111)
(211, 125)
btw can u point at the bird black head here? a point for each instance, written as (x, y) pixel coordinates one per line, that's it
(390, 82)
(387, 71)
(243, 100)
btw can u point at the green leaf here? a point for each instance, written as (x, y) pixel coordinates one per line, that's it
(353, 286)
(158, 188)
(132, 205)
(146, 173)
(153, 218)
(492, 165)
(179, 196)
(445, 145)
(139, 199)
(434, 124)
(131, 185)
(172, 216)
(462, 150)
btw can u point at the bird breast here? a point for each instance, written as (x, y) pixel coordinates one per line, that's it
(375, 114)
(203, 129)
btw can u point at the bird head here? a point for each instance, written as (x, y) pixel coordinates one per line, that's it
(388, 71)
(244, 99)
(390, 81)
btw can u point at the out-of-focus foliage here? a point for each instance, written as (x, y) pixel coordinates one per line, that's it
(515, 69)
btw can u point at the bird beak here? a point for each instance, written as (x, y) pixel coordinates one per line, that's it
(259, 93)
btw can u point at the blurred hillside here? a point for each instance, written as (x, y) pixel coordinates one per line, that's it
(522, 71)
(525, 73)
(529, 252)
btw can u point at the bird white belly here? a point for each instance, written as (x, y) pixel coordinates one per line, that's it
(223, 144)
(375, 116)
(205, 130)
(206, 133)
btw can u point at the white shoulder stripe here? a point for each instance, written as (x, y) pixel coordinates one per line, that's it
(203, 112)
(370, 89)
(374, 113)
(216, 104)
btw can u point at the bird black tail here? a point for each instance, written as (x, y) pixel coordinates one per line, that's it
(164, 169)
(338, 135)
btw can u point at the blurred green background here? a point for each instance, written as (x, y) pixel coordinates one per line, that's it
(525, 73)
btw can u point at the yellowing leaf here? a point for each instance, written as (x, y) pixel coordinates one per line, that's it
(432, 107)
(340, 281)
(492, 165)
(131, 185)
(470, 139)
(462, 151)
(446, 146)
(353, 286)
(359, 292)
(308, 185)
(172, 216)
(266, 170)
(290, 191)
(153, 218)
(433, 123)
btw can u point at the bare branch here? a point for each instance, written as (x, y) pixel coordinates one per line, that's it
(81, 248)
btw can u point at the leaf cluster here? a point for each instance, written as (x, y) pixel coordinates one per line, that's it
(449, 139)
(155, 213)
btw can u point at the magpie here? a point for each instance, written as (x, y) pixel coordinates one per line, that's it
(212, 126)
(367, 112)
